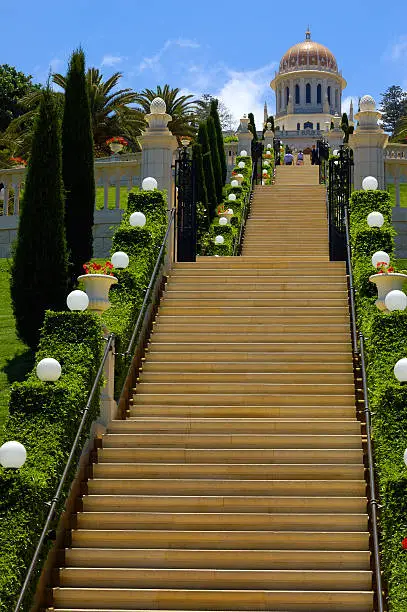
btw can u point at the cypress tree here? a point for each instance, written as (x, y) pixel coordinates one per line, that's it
(77, 165)
(345, 127)
(217, 169)
(208, 169)
(221, 147)
(201, 193)
(39, 271)
(252, 126)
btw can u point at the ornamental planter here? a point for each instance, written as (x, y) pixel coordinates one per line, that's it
(385, 283)
(115, 147)
(97, 288)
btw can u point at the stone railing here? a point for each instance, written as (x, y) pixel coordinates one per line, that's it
(116, 171)
(395, 151)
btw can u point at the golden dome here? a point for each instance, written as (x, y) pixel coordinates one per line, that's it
(308, 55)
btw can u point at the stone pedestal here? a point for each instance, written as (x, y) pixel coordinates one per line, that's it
(368, 142)
(159, 146)
(245, 137)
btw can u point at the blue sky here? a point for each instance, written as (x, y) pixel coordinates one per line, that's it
(227, 49)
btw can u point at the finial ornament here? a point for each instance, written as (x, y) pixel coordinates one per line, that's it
(308, 34)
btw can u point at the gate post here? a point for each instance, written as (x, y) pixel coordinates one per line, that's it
(159, 146)
(186, 205)
(339, 190)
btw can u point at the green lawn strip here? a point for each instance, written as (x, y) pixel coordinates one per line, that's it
(403, 194)
(100, 196)
(15, 358)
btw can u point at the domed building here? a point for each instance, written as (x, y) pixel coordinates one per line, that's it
(308, 89)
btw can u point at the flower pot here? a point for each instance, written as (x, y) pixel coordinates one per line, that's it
(385, 283)
(115, 147)
(97, 289)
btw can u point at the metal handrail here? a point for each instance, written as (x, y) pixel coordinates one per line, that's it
(147, 295)
(50, 517)
(238, 241)
(359, 352)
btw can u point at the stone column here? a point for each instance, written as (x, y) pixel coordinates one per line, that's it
(368, 142)
(159, 146)
(335, 136)
(245, 136)
(268, 137)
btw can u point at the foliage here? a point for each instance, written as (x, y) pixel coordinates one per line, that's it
(142, 245)
(77, 167)
(201, 193)
(14, 85)
(386, 340)
(346, 128)
(221, 148)
(181, 108)
(217, 168)
(44, 417)
(203, 140)
(252, 126)
(39, 272)
(233, 138)
(204, 106)
(393, 106)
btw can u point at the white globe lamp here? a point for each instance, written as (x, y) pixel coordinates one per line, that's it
(223, 221)
(380, 256)
(149, 183)
(336, 152)
(400, 370)
(12, 454)
(234, 183)
(232, 197)
(241, 164)
(395, 300)
(77, 300)
(243, 153)
(268, 146)
(405, 456)
(375, 219)
(137, 219)
(219, 240)
(120, 260)
(370, 183)
(230, 211)
(48, 369)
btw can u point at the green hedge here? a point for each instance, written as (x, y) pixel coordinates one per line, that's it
(386, 342)
(44, 417)
(143, 246)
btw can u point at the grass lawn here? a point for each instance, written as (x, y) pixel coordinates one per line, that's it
(111, 198)
(403, 194)
(15, 358)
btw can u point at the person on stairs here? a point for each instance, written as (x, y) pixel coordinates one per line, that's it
(288, 158)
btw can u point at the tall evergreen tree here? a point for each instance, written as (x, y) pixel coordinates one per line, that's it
(39, 272)
(77, 166)
(217, 169)
(346, 128)
(252, 126)
(203, 140)
(221, 147)
(393, 106)
(201, 193)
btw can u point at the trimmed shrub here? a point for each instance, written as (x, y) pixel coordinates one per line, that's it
(45, 418)
(386, 342)
(39, 270)
(221, 148)
(77, 163)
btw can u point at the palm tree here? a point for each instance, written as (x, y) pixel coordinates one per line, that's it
(110, 110)
(181, 108)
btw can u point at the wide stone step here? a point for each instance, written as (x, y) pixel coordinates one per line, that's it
(199, 302)
(259, 263)
(200, 376)
(241, 335)
(122, 437)
(221, 539)
(252, 347)
(218, 559)
(195, 599)
(179, 325)
(255, 310)
(248, 284)
(265, 398)
(221, 367)
(335, 390)
(237, 456)
(286, 412)
(221, 503)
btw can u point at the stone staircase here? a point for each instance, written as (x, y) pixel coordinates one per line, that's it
(237, 482)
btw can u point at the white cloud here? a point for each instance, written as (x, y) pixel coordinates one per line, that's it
(112, 60)
(153, 62)
(399, 49)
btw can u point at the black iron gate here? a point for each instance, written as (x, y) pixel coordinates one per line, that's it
(339, 190)
(186, 206)
(257, 159)
(323, 157)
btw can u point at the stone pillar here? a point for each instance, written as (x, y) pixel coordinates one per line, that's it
(158, 148)
(108, 406)
(335, 136)
(268, 136)
(245, 136)
(368, 142)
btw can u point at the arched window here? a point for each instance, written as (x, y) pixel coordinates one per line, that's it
(308, 93)
(319, 94)
(336, 99)
(297, 94)
(318, 127)
(308, 125)
(328, 93)
(298, 127)
(287, 95)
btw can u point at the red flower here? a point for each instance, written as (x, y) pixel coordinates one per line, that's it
(118, 139)
(390, 269)
(404, 543)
